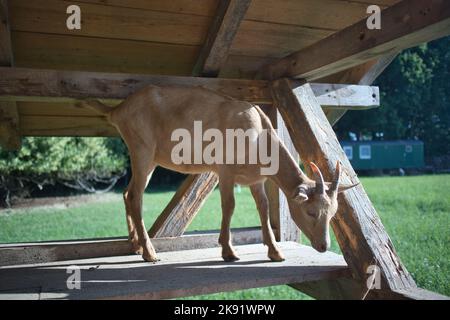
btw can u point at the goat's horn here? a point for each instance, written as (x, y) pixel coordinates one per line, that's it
(342, 188)
(320, 184)
(337, 174)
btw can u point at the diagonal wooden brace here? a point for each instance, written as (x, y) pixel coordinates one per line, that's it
(357, 226)
(183, 207)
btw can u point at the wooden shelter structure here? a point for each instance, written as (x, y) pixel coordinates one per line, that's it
(306, 61)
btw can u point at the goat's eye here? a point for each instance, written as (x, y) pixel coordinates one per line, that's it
(310, 214)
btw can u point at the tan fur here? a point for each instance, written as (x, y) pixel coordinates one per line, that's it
(146, 121)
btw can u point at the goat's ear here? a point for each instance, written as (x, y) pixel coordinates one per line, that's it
(300, 195)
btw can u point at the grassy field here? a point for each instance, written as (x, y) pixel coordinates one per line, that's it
(414, 210)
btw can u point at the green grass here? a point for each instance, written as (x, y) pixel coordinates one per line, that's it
(414, 210)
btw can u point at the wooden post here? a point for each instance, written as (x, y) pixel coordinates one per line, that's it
(280, 218)
(214, 52)
(9, 116)
(357, 227)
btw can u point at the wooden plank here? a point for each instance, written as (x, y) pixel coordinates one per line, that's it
(44, 252)
(245, 67)
(405, 24)
(102, 21)
(6, 53)
(364, 74)
(179, 273)
(9, 126)
(419, 294)
(66, 127)
(37, 50)
(51, 109)
(347, 96)
(263, 39)
(10, 138)
(334, 289)
(73, 85)
(215, 50)
(357, 227)
(183, 206)
(21, 84)
(201, 8)
(324, 14)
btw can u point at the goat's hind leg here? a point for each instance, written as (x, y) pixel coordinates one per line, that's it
(142, 167)
(226, 187)
(262, 204)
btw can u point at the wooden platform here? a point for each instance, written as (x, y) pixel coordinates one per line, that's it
(179, 273)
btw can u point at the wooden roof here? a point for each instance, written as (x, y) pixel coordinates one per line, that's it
(164, 37)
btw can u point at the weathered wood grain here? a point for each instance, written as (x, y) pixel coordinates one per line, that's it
(184, 206)
(364, 74)
(22, 84)
(44, 252)
(405, 24)
(102, 21)
(66, 126)
(280, 218)
(322, 14)
(179, 273)
(194, 7)
(221, 34)
(6, 54)
(357, 227)
(10, 138)
(272, 40)
(64, 52)
(9, 126)
(72, 85)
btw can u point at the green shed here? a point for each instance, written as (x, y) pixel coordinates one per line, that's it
(374, 155)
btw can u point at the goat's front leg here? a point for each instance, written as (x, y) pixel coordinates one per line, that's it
(226, 187)
(262, 204)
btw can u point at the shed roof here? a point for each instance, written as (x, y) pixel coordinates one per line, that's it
(165, 37)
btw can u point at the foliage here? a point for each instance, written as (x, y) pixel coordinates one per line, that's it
(75, 162)
(414, 101)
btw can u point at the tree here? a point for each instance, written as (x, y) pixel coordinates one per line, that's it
(415, 93)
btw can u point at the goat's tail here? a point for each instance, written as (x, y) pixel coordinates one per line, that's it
(97, 106)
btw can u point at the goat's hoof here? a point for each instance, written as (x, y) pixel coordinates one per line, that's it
(230, 258)
(150, 258)
(276, 256)
(136, 248)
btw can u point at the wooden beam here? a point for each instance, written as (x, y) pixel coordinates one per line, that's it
(9, 116)
(364, 74)
(21, 84)
(357, 227)
(225, 25)
(280, 218)
(179, 273)
(183, 206)
(43, 252)
(403, 25)
(69, 86)
(6, 54)
(9, 126)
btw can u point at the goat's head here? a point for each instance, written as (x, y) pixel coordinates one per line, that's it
(313, 204)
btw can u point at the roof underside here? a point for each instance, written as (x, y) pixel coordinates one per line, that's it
(165, 37)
